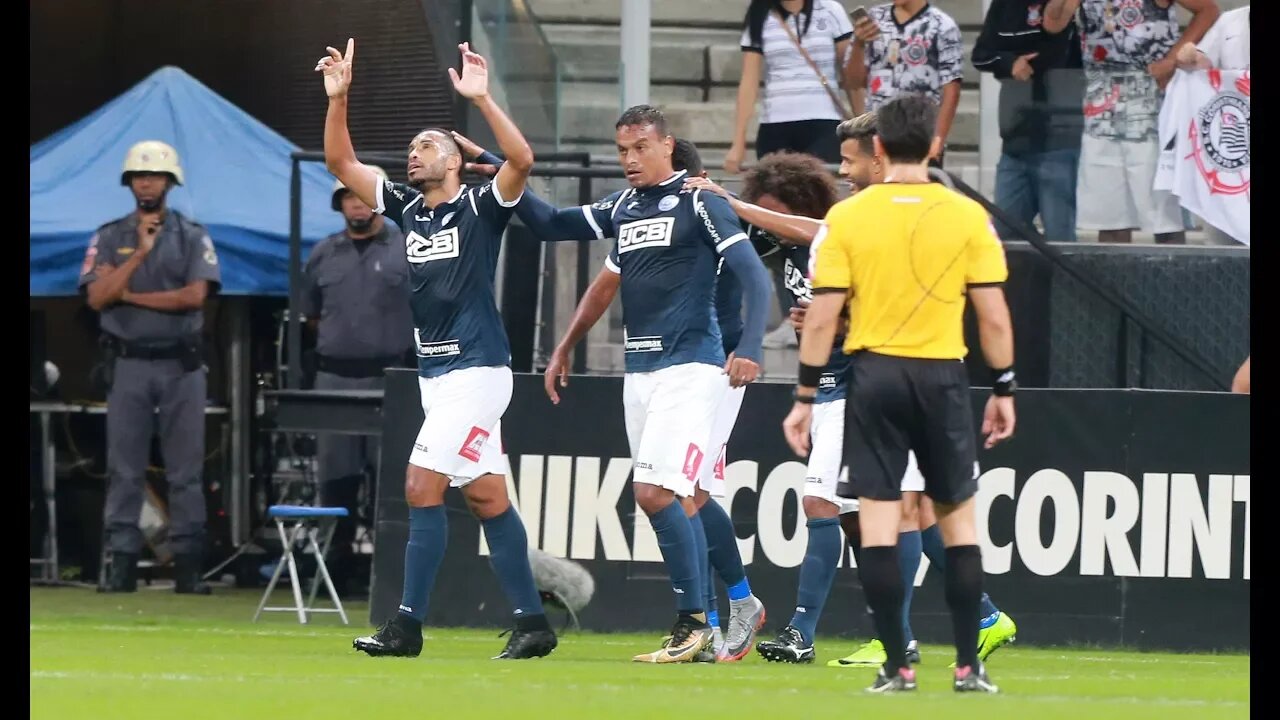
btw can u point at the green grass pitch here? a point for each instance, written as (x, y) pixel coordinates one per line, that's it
(156, 654)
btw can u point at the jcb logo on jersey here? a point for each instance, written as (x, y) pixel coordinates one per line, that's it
(655, 232)
(441, 246)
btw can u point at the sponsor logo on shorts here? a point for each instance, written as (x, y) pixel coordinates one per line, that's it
(644, 466)
(420, 447)
(444, 348)
(655, 232)
(718, 470)
(652, 343)
(474, 445)
(692, 461)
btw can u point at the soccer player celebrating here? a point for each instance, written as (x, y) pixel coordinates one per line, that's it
(452, 237)
(669, 242)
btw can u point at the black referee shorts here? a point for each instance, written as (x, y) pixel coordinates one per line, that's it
(898, 404)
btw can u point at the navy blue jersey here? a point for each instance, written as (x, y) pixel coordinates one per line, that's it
(795, 276)
(667, 246)
(452, 251)
(729, 308)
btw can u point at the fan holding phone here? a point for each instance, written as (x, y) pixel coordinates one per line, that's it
(908, 46)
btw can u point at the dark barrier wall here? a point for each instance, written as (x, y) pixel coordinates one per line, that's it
(1068, 337)
(1113, 517)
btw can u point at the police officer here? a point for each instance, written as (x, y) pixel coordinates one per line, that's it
(356, 298)
(148, 274)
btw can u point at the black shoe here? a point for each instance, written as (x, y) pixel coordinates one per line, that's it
(904, 681)
(789, 647)
(401, 636)
(186, 576)
(524, 644)
(974, 679)
(124, 574)
(913, 653)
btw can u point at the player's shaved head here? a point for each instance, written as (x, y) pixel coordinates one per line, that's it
(442, 139)
(434, 156)
(685, 156)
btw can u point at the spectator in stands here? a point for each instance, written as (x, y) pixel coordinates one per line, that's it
(1130, 48)
(1041, 92)
(1224, 47)
(799, 48)
(909, 46)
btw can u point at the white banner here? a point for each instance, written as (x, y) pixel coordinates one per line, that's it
(1204, 128)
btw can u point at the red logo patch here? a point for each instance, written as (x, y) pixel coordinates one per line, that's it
(474, 445)
(692, 461)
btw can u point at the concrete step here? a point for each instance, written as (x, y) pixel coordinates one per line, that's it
(715, 13)
(593, 52)
(591, 120)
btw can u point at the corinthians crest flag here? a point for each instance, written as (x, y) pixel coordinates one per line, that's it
(1204, 130)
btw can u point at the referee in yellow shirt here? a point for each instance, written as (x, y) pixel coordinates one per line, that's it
(904, 255)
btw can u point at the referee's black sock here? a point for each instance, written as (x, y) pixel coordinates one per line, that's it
(964, 594)
(882, 584)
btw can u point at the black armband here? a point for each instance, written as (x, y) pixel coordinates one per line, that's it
(809, 375)
(1004, 382)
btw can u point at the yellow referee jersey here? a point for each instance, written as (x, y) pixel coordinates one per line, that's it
(905, 254)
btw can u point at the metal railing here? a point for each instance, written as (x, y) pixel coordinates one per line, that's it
(1129, 312)
(584, 171)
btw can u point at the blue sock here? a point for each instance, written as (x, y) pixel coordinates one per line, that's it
(704, 563)
(931, 537)
(509, 556)
(428, 536)
(722, 544)
(817, 573)
(708, 579)
(909, 549)
(675, 540)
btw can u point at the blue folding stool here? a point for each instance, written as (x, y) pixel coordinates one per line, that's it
(311, 521)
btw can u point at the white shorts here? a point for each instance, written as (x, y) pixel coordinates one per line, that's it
(711, 477)
(1114, 188)
(669, 413)
(461, 435)
(826, 458)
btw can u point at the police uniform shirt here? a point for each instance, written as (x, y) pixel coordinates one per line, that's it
(906, 254)
(452, 254)
(918, 56)
(667, 245)
(360, 297)
(183, 253)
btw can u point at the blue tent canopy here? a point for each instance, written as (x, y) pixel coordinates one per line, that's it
(237, 184)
